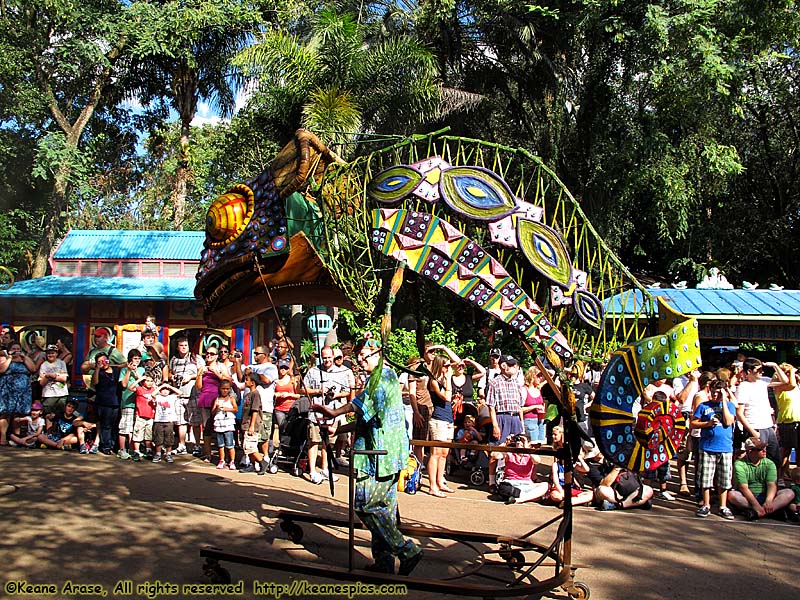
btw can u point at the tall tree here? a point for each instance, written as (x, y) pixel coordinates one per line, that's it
(66, 57)
(184, 53)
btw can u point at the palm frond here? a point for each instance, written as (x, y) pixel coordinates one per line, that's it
(280, 57)
(333, 114)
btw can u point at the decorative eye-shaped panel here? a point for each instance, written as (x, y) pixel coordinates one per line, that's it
(545, 250)
(228, 215)
(394, 184)
(477, 193)
(589, 308)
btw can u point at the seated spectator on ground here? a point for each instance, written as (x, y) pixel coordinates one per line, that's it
(27, 429)
(556, 493)
(520, 484)
(67, 428)
(794, 505)
(621, 488)
(755, 490)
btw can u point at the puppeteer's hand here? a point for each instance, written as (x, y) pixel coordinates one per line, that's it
(324, 410)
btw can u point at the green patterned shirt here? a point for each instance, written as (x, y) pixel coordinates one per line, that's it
(381, 426)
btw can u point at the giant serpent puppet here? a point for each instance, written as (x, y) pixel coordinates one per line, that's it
(491, 224)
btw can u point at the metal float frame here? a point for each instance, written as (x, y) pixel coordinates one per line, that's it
(510, 549)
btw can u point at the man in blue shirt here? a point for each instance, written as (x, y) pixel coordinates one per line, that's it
(714, 418)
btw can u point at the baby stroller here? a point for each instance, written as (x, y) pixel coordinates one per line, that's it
(293, 440)
(477, 463)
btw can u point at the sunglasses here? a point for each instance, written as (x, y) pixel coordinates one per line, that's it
(224, 351)
(211, 353)
(259, 353)
(283, 368)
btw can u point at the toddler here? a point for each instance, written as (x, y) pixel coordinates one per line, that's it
(468, 434)
(145, 411)
(224, 411)
(164, 422)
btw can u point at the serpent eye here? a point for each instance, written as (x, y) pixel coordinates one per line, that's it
(545, 250)
(394, 184)
(477, 193)
(228, 215)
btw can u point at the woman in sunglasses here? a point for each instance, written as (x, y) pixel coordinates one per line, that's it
(209, 378)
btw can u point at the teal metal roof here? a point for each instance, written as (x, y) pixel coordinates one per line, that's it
(92, 244)
(111, 288)
(721, 304)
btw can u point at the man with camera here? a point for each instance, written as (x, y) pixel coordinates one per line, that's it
(331, 385)
(183, 369)
(504, 399)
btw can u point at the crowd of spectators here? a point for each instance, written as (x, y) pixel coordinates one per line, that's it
(744, 423)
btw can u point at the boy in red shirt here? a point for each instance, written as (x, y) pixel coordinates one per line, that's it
(145, 411)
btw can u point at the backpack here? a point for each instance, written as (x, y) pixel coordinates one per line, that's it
(626, 484)
(410, 479)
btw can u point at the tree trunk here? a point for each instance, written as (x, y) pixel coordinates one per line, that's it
(182, 177)
(52, 219)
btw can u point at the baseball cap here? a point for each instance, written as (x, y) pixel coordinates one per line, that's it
(495, 352)
(51, 348)
(509, 360)
(337, 352)
(754, 443)
(283, 364)
(37, 406)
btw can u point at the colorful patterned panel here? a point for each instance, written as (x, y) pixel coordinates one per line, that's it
(431, 168)
(434, 248)
(545, 250)
(669, 355)
(504, 231)
(654, 438)
(477, 193)
(660, 429)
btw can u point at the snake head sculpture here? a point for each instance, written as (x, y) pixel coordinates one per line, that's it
(264, 234)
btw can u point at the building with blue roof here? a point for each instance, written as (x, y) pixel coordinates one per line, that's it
(729, 315)
(115, 279)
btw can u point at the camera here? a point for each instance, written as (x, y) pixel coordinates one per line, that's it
(518, 439)
(177, 380)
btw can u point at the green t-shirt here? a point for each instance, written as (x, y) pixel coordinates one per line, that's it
(128, 396)
(755, 476)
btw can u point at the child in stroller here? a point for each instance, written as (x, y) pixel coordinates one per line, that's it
(476, 431)
(293, 439)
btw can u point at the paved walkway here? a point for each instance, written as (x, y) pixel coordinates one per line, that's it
(98, 520)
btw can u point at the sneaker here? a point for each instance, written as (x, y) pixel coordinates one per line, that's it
(220, 465)
(232, 467)
(156, 458)
(317, 478)
(665, 495)
(726, 513)
(326, 475)
(123, 454)
(107, 451)
(198, 451)
(169, 458)
(703, 511)
(84, 450)
(94, 448)
(751, 515)
(606, 505)
(180, 451)
(137, 457)
(248, 469)
(12, 443)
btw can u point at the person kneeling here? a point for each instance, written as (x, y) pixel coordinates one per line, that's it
(621, 488)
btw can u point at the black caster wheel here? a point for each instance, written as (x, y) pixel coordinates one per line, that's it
(295, 534)
(215, 572)
(273, 469)
(296, 472)
(579, 591)
(477, 478)
(513, 558)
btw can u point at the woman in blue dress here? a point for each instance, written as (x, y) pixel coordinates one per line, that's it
(15, 388)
